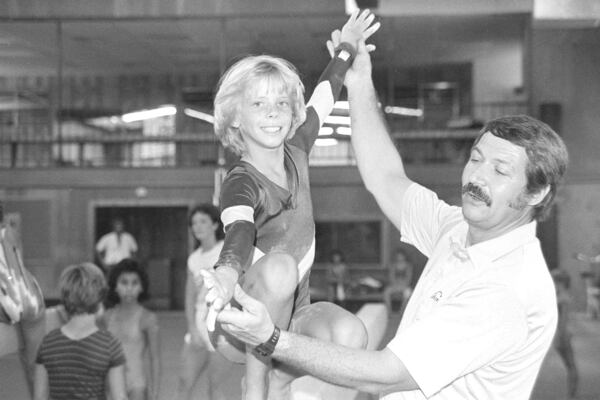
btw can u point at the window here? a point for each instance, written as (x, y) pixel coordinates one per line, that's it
(359, 241)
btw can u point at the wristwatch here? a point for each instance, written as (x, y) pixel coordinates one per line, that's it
(267, 348)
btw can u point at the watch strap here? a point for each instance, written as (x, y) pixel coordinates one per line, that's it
(267, 348)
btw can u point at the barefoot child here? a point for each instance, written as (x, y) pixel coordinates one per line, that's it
(76, 360)
(266, 206)
(135, 327)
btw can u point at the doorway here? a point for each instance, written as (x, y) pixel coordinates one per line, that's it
(163, 246)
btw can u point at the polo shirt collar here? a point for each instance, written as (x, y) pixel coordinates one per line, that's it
(490, 250)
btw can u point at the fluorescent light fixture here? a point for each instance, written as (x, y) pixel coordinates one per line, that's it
(342, 105)
(325, 131)
(324, 142)
(162, 111)
(409, 112)
(190, 112)
(337, 120)
(343, 130)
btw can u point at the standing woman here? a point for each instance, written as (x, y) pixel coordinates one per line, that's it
(207, 230)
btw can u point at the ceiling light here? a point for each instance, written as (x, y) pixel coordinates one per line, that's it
(326, 142)
(342, 105)
(326, 131)
(409, 112)
(337, 120)
(162, 111)
(343, 130)
(190, 112)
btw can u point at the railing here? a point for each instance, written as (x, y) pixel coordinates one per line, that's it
(34, 146)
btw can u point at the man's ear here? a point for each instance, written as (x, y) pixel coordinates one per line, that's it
(538, 197)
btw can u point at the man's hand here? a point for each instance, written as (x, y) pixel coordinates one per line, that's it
(219, 285)
(252, 324)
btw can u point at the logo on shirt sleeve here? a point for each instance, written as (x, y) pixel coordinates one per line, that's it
(437, 296)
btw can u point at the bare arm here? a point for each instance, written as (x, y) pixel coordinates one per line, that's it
(154, 354)
(41, 389)
(379, 162)
(365, 370)
(116, 383)
(191, 294)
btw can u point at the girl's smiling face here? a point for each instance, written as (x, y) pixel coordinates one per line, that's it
(265, 114)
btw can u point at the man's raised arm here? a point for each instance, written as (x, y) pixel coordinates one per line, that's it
(379, 162)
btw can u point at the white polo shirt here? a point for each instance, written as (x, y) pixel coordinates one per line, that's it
(482, 318)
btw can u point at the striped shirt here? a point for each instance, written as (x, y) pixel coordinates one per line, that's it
(77, 369)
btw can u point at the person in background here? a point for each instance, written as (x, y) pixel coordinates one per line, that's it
(77, 360)
(591, 278)
(207, 230)
(135, 327)
(337, 277)
(563, 338)
(400, 280)
(483, 314)
(116, 245)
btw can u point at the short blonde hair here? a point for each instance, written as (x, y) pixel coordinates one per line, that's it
(82, 288)
(236, 79)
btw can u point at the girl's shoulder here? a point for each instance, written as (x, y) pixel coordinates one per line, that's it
(148, 319)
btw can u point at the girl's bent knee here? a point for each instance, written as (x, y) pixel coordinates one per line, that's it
(350, 331)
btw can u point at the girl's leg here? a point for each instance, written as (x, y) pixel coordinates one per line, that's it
(137, 394)
(272, 280)
(194, 360)
(325, 321)
(565, 349)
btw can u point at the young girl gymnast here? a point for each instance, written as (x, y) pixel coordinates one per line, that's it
(260, 115)
(136, 328)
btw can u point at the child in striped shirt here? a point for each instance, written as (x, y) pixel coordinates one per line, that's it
(74, 361)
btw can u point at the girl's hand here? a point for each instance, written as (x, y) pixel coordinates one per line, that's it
(220, 285)
(358, 27)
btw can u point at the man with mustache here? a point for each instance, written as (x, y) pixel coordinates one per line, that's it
(484, 312)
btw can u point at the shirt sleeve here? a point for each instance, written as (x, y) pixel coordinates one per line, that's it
(424, 217)
(101, 245)
(41, 354)
(320, 104)
(240, 196)
(132, 243)
(117, 356)
(472, 329)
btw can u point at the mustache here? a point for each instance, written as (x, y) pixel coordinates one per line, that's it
(476, 192)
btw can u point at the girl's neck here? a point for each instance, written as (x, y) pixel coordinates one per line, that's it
(265, 160)
(270, 164)
(127, 306)
(80, 326)
(208, 243)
